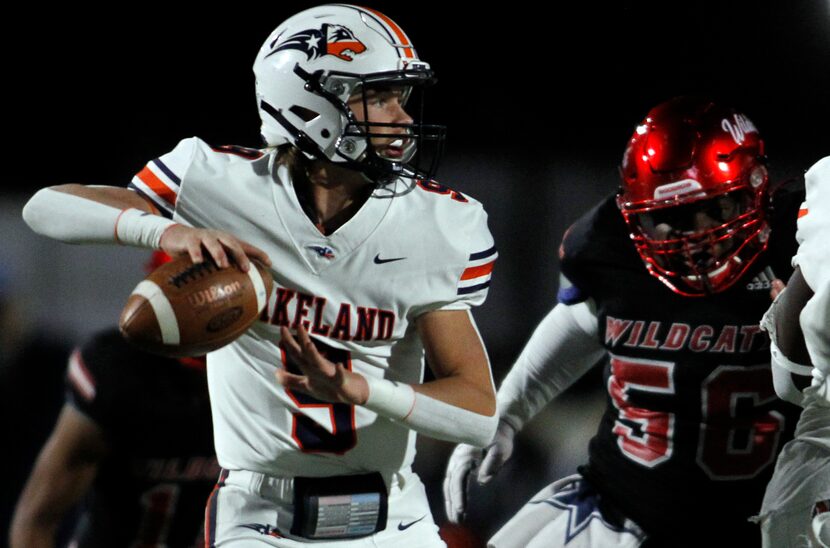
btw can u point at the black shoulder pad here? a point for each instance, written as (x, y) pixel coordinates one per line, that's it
(597, 240)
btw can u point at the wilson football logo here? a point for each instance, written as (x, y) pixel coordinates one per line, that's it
(334, 40)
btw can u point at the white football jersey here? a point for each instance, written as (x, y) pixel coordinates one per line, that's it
(412, 248)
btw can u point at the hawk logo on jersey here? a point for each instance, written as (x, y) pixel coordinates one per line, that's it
(334, 40)
(322, 251)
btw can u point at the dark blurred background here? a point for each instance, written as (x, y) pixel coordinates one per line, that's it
(539, 99)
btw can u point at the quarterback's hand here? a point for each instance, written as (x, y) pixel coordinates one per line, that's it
(465, 459)
(180, 239)
(320, 377)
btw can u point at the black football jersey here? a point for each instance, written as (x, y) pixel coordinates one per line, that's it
(152, 487)
(692, 426)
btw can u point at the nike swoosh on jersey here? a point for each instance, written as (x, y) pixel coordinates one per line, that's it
(402, 527)
(378, 260)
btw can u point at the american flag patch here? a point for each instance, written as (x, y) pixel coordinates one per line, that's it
(477, 274)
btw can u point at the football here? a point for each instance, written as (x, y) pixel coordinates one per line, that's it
(186, 309)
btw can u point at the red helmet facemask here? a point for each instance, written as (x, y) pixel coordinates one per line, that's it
(694, 195)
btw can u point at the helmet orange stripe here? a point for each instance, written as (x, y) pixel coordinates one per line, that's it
(157, 185)
(398, 32)
(478, 271)
(802, 212)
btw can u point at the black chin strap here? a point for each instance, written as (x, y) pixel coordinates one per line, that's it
(301, 140)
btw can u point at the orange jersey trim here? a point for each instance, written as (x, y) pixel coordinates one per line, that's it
(478, 271)
(802, 212)
(157, 185)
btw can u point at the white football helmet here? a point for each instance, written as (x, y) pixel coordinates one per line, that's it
(314, 62)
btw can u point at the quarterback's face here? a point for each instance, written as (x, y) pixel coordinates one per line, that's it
(384, 106)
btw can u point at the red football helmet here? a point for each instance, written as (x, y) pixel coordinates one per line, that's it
(694, 194)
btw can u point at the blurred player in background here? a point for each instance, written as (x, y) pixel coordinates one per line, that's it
(32, 367)
(133, 444)
(671, 292)
(375, 266)
(796, 507)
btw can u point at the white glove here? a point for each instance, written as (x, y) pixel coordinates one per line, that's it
(464, 459)
(497, 453)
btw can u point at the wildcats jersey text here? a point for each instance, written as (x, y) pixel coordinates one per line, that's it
(412, 248)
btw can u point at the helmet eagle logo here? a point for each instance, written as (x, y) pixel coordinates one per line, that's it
(334, 40)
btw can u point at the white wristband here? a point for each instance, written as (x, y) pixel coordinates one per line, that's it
(390, 399)
(139, 228)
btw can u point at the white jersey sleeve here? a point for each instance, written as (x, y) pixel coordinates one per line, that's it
(458, 244)
(474, 281)
(562, 348)
(161, 179)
